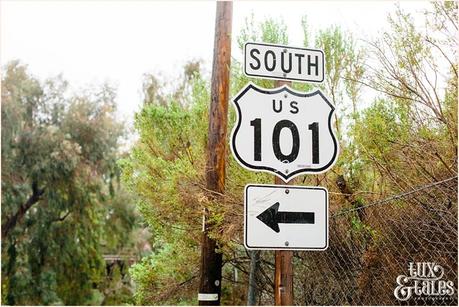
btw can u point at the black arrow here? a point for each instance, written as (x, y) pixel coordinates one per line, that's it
(272, 217)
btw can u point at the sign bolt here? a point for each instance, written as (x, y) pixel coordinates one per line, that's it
(287, 191)
(285, 96)
(286, 243)
(285, 75)
(286, 171)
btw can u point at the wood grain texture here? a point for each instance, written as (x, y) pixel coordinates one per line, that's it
(211, 260)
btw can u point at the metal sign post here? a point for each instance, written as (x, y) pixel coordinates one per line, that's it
(283, 259)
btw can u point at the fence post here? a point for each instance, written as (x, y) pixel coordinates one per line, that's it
(253, 275)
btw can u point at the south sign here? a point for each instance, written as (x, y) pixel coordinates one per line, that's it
(263, 60)
(283, 132)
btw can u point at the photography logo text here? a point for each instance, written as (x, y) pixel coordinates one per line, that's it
(425, 280)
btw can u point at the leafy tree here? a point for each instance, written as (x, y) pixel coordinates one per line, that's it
(58, 189)
(163, 170)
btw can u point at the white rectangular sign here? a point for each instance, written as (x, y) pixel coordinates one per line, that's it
(283, 62)
(285, 217)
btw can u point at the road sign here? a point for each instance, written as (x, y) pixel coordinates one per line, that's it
(285, 217)
(283, 62)
(284, 132)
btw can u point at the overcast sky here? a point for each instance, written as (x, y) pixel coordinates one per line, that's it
(118, 41)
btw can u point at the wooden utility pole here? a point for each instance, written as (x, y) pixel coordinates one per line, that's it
(211, 260)
(283, 274)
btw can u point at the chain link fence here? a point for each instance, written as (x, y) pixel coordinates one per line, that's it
(370, 246)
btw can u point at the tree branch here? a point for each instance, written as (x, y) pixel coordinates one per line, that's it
(13, 220)
(61, 219)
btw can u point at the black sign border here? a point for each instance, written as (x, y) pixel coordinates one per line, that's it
(290, 187)
(283, 78)
(269, 169)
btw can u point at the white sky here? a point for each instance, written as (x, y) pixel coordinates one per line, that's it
(118, 41)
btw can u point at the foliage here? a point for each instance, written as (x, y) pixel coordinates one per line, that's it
(164, 170)
(410, 134)
(61, 205)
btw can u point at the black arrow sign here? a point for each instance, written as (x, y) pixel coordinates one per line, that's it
(272, 217)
